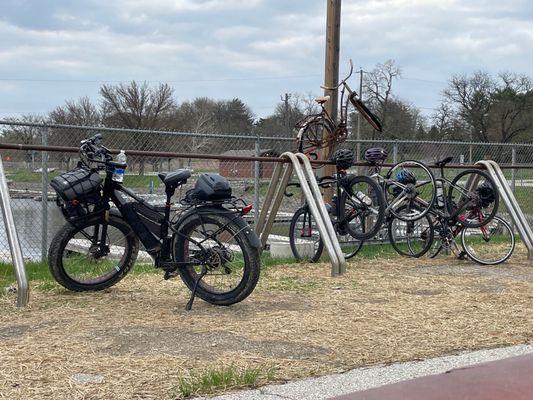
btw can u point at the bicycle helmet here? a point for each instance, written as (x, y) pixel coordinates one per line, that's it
(376, 155)
(405, 177)
(343, 158)
(486, 194)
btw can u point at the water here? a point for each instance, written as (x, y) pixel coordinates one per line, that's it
(28, 220)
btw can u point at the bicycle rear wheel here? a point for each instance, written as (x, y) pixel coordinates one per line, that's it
(473, 195)
(215, 241)
(490, 244)
(362, 207)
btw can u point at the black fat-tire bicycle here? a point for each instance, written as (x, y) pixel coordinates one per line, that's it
(208, 244)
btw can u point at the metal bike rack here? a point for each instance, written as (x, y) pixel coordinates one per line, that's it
(509, 199)
(23, 292)
(276, 190)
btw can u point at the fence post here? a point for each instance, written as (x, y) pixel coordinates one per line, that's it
(44, 198)
(257, 182)
(470, 151)
(513, 178)
(395, 152)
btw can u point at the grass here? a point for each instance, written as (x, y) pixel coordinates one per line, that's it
(24, 176)
(39, 274)
(217, 379)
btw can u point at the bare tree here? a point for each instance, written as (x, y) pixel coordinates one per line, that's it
(510, 108)
(137, 106)
(473, 97)
(377, 86)
(25, 135)
(81, 112)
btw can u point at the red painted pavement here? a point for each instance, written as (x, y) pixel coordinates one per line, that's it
(508, 379)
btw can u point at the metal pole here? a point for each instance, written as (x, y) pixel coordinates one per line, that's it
(331, 76)
(513, 163)
(395, 153)
(44, 198)
(358, 137)
(513, 180)
(470, 151)
(23, 293)
(257, 182)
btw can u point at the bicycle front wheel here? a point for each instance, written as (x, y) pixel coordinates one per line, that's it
(304, 237)
(411, 238)
(410, 190)
(490, 244)
(215, 241)
(85, 256)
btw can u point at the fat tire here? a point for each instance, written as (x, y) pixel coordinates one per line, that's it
(63, 236)
(252, 263)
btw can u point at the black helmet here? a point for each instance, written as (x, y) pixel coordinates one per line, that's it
(486, 194)
(376, 155)
(343, 158)
(404, 176)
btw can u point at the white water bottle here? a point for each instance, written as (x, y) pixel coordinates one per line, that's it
(118, 174)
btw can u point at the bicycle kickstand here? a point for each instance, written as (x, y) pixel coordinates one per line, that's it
(188, 307)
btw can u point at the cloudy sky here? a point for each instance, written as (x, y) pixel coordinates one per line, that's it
(53, 50)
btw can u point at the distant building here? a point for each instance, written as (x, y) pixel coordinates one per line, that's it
(246, 169)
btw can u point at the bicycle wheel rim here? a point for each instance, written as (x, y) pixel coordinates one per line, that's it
(411, 238)
(214, 245)
(412, 201)
(88, 259)
(465, 202)
(362, 208)
(490, 244)
(304, 236)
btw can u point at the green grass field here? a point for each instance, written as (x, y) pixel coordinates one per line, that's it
(23, 176)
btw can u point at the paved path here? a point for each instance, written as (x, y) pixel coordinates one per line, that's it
(510, 378)
(362, 379)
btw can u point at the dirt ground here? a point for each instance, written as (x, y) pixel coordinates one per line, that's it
(299, 322)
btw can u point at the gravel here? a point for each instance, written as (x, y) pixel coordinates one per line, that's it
(370, 377)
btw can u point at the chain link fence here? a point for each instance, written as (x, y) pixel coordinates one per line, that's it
(38, 219)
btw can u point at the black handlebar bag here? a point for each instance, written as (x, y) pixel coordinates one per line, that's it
(80, 184)
(76, 191)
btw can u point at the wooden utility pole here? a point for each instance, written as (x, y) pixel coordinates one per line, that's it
(331, 76)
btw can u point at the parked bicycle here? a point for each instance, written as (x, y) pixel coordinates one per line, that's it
(317, 131)
(409, 187)
(208, 244)
(356, 211)
(466, 207)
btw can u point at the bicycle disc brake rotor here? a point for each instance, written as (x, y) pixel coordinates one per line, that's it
(217, 257)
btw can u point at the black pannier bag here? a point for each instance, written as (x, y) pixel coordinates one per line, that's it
(211, 187)
(76, 190)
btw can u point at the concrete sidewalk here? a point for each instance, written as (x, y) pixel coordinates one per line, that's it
(361, 379)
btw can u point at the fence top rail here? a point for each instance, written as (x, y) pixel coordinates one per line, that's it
(168, 154)
(248, 136)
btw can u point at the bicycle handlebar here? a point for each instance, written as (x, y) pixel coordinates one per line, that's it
(341, 82)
